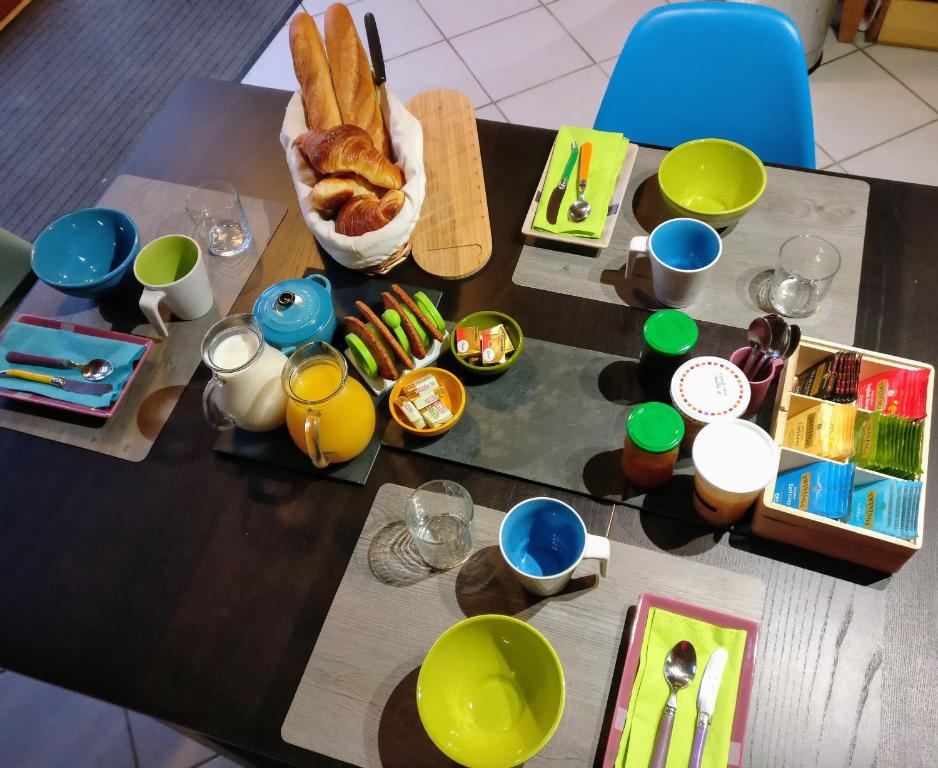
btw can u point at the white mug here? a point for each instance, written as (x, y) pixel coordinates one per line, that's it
(543, 540)
(682, 252)
(171, 269)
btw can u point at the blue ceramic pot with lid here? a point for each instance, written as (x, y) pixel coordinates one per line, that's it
(296, 311)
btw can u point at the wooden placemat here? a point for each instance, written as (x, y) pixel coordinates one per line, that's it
(157, 208)
(519, 423)
(453, 238)
(356, 700)
(794, 203)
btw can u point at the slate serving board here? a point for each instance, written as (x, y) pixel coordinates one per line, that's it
(794, 203)
(277, 447)
(356, 700)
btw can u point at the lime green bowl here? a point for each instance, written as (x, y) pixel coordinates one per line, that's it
(490, 692)
(711, 180)
(482, 321)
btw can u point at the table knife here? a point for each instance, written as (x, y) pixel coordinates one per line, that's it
(706, 701)
(69, 385)
(377, 68)
(556, 197)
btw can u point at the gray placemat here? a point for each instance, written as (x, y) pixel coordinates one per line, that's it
(555, 417)
(794, 203)
(157, 208)
(356, 701)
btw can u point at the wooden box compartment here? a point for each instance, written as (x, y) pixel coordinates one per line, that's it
(816, 533)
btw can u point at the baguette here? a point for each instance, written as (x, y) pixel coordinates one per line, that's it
(312, 72)
(352, 79)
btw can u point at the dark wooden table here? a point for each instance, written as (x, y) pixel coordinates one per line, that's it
(192, 586)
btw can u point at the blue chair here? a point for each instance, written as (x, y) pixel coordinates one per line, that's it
(714, 70)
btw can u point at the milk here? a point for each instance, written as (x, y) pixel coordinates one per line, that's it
(252, 395)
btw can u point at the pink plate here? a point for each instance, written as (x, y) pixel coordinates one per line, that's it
(743, 694)
(84, 330)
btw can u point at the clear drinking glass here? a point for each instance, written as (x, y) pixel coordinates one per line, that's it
(215, 209)
(439, 517)
(807, 265)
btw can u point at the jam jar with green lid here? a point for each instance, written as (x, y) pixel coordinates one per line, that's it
(670, 335)
(653, 435)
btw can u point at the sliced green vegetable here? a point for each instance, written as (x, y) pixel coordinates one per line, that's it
(362, 355)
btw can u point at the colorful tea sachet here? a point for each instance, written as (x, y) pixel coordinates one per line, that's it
(887, 506)
(898, 391)
(825, 429)
(834, 378)
(889, 444)
(824, 488)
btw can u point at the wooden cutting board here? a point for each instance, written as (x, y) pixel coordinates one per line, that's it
(453, 238)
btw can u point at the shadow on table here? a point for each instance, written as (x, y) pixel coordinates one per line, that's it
(394, 559)
(486, 584)
(402, 740)
(614, 683)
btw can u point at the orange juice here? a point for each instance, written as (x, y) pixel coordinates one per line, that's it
(346, 413)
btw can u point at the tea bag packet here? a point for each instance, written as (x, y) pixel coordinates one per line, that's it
(887, 506)
(834, 378)
(898, 391)
(822, 488)
(825, 429)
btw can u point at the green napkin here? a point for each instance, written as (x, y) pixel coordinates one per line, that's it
(650, 693)
(608, 155)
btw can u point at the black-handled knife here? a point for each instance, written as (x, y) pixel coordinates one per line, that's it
(377, 69)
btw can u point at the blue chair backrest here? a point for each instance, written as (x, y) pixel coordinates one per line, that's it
(714, 70)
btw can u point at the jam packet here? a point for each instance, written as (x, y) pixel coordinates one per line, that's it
(823, 488)
(898, 391)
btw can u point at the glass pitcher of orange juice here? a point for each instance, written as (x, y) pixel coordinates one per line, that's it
(330, 416)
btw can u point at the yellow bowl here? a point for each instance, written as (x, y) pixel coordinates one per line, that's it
(490, 693)
(454, 399)
(711, 180)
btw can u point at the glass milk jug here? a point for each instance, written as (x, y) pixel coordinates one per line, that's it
(245, 387)
(330, 416)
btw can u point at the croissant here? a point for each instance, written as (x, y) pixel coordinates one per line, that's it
(348, 149)
(366, 213)
(332, 192)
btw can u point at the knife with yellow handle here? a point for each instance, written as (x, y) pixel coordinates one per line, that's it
(69, 385)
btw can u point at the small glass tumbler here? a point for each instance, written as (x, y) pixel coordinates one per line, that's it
(807, 265)
(438, 515)
(215, 209)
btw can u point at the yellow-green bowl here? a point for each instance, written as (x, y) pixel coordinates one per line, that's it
(712, 180)
(482, 321)
(490, 692)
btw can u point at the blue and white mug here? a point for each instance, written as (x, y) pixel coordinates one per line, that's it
(682, 253)
(543, 540)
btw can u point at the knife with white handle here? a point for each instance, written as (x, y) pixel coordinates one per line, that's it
(706, 702)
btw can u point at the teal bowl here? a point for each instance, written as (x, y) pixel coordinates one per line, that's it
(86, 253)
(482, 321)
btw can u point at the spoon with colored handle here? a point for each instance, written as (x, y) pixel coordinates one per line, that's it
(580, 208)
(680, 666)
(93, 370)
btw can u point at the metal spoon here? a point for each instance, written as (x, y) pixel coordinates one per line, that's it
(794, 341)
(580, 208)
(93, 370)
(759, 336)
(680, 666)
(781, 338)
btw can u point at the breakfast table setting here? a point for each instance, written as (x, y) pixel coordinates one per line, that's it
(422, 440)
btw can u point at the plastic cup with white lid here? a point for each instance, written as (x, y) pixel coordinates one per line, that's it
(734, 461)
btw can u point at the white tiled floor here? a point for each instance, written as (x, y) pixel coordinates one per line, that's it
(42, 726)
(547, 62)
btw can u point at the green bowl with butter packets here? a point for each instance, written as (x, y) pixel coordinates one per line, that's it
(486, 342)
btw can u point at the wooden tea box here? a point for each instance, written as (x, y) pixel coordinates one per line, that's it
(819, 534)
